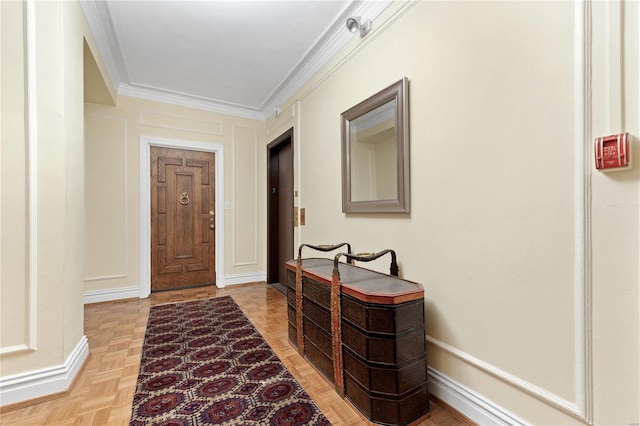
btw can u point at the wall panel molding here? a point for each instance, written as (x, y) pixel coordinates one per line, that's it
(14, 349)
(550, 398)
(105, 277)
(28, 340)
(32, 152)
(582, 203)
(125, 205)
(182, 123)
(251, 193)
(582, 407)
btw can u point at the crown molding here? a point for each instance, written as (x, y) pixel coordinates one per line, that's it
(189, 101)
(331, 42)
(99, 20)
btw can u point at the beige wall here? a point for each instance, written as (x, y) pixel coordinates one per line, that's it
(511, 228)
(113, 197)
(42, 290)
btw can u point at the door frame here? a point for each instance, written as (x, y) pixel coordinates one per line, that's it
(146, 142)
(273, 145)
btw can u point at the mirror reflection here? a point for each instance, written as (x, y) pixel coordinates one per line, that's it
(374, 154)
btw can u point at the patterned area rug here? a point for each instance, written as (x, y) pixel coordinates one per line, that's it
(204, 363)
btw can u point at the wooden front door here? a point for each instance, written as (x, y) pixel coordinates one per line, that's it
(182, 218)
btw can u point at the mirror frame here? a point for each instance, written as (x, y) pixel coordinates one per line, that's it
(400, 92)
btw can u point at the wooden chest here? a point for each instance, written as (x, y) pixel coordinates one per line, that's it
(383, 337)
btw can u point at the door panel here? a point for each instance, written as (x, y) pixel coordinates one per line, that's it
(285, 210)
(182, 218)
(272, 219)
(280, 207)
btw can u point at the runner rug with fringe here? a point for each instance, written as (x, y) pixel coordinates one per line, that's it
(203, 362)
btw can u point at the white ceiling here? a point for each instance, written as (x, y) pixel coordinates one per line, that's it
(240, 57)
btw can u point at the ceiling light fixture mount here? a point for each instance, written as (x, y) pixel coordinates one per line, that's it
(354, 24)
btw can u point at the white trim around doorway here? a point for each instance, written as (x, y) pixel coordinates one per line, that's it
(146, 142)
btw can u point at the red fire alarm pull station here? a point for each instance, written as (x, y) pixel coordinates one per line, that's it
(612, 153)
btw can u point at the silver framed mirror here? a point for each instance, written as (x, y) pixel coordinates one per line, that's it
(375, 153)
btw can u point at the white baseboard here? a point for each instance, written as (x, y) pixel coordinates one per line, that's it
(468, 402)
(111, 294)
(245, 278)
(46, 381)
(120, 293)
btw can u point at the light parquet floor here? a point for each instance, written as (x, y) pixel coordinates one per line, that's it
(103, 391)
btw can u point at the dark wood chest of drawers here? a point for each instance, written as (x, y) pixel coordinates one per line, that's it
(383, 337)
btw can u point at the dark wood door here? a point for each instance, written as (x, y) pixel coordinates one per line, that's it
(280, 209)
(182, 218)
